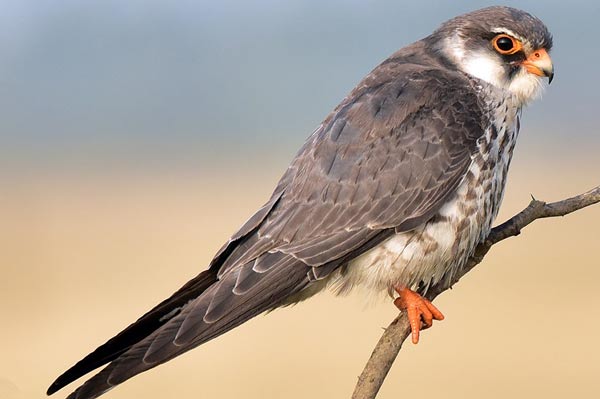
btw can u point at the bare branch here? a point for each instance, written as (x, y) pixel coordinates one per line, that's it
(390, 343)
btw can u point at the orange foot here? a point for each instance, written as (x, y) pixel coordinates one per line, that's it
(418, 309)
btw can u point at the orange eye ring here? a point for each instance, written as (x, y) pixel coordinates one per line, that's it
(506, 45)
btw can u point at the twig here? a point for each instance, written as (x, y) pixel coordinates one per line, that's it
(390, 343)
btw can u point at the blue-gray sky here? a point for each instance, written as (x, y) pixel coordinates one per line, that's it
(110, 83)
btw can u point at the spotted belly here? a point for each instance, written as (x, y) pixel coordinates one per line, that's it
(436, 250)
(426, 255)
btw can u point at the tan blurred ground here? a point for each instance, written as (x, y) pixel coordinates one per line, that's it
(83, 256)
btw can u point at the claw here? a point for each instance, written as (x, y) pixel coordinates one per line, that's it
(418, 309)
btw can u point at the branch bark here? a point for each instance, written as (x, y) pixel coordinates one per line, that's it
(390, 343)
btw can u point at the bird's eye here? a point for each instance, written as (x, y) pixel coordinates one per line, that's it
(506, 45)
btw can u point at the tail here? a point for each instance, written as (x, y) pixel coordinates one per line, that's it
(203, 309)
(137, 331)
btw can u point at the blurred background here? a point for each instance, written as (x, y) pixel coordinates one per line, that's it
(136, 136)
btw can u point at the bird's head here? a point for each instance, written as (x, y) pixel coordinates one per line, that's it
(503, 46)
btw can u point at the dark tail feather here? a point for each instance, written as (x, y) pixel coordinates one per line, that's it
(137, 331)
(191, 328)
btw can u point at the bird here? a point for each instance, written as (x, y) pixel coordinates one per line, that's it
(392, 192)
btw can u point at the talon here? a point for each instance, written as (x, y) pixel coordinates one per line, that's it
(418, 309)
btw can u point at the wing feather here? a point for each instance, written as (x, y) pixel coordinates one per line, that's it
(385, 160)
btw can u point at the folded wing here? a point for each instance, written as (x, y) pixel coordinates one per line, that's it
(385, 160)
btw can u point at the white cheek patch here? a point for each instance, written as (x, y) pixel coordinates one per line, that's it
(484, 67)
(480, 65)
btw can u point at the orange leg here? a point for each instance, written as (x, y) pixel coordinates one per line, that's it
(418, 309)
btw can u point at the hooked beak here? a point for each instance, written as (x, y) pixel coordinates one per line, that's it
(539, 63)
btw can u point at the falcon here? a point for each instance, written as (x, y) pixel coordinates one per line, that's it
(393, 191)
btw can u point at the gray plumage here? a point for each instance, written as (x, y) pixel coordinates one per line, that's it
(396, 186)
